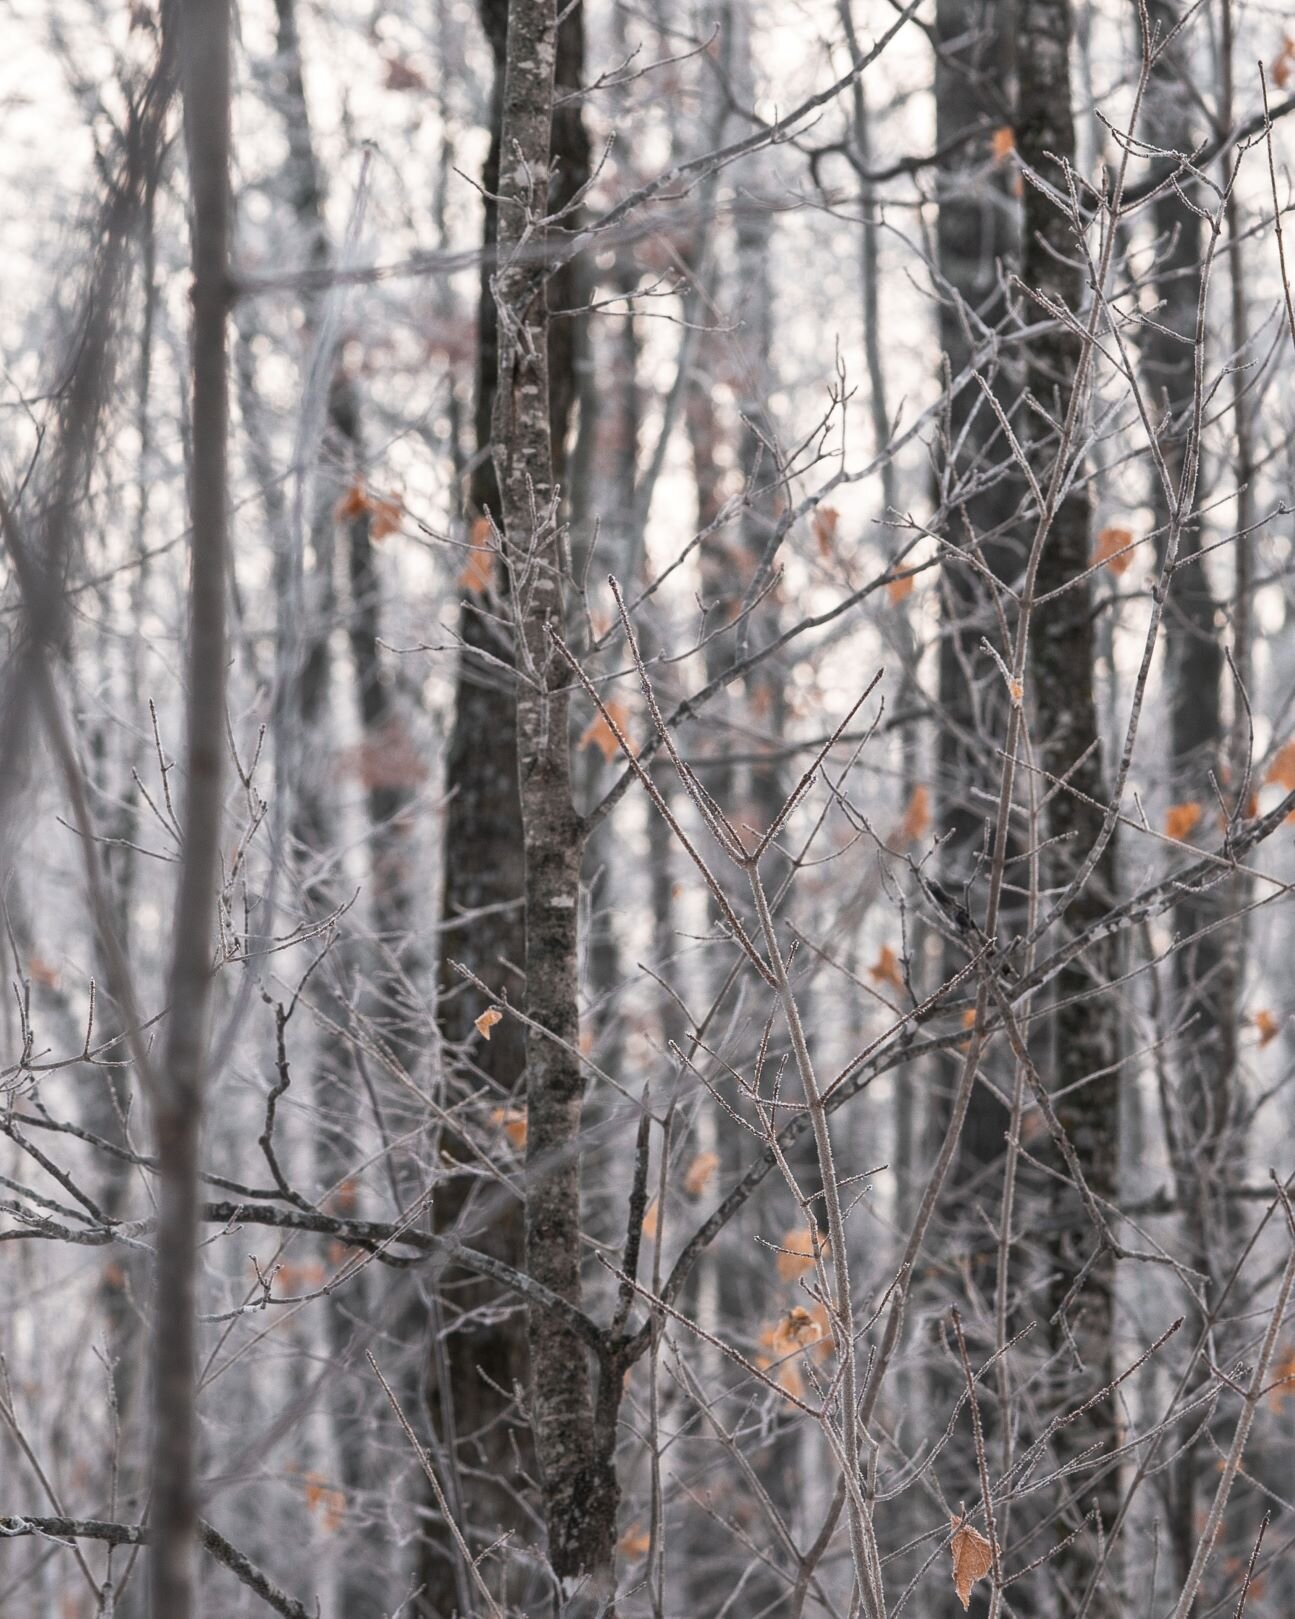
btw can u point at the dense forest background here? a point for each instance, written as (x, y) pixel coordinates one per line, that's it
(648, 766)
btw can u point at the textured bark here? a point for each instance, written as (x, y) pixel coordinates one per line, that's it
(482, 882)
(205, 80)
(483, 841)
(1205, 1053)
(975, 233)
(483, 849)
(1085, 1035)
(579, 1482)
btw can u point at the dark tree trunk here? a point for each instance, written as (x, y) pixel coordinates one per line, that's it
(579, 1481)
(977, 237)
(1085, 1035)
(501, 873)
(476, 1361)
(976, 234)
(483, 837)
(483, 852)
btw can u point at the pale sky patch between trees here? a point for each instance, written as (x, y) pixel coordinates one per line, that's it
(649, 768)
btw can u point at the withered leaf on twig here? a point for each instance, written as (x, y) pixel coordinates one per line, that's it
(973, 1557)
(487, 1021)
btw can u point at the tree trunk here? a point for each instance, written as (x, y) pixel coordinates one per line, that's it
(483, 848)
(1085, 1034)
(975, 233)
(205, 79)
(484, 930)
(579, 1481)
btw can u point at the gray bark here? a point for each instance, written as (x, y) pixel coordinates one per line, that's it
(205, 80)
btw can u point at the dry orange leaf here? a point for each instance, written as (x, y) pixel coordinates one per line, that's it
(973, 1557)
(42, 973)
(824, 524)
(885, 970)
(635, 1543)
(387, 510)
(1111, 549)
(328, 1504)
(487, 1021)
(478, 573)
(786, 1373)
(1268, 1026)
(899, 588)
(652, 1221)
(1283, 64)
(799, 1328)
(300, 1278)
(1281, 772)
(798, 1254)
(790, 1378)
(823, 1343)
(1183, 819)
(780, 1342)
(917, 816)
(512, 1121)
(1003, 142)
(352, 504)
(599, 733)
(698, 1175)
(388, 514)
(968, 1022)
